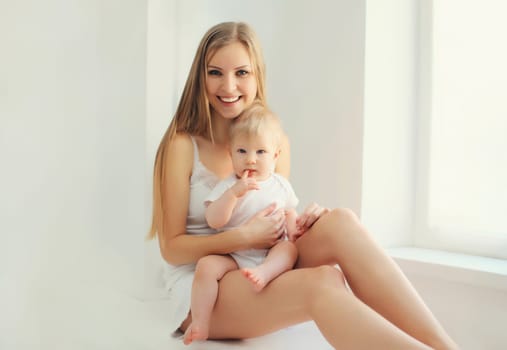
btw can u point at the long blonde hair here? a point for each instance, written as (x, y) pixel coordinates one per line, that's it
(193, 115)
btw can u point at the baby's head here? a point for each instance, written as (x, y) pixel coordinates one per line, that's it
(255, 138)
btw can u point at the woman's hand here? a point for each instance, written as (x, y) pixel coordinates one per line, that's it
(308, 217)
(265, 229)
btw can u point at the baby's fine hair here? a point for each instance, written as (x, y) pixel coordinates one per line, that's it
(255, 120)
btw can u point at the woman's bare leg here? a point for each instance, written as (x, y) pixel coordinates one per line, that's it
(342, 318)
(208, 272)
(280, 258)
(373, 276)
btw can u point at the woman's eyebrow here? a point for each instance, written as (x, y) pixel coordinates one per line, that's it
(239, 67)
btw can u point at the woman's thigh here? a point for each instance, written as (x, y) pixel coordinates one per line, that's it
(240, 312)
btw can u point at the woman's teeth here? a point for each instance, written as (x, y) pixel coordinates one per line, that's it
(229, 99)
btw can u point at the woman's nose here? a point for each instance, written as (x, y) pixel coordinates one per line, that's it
(229, 84)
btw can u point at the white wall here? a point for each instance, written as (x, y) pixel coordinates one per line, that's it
(389, 120)
(315, 63)
(72, 148)
(161, 101)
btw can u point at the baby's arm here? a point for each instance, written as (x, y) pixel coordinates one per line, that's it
(218, 212)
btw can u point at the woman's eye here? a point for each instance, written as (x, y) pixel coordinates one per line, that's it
(242, 72)
(214, 72)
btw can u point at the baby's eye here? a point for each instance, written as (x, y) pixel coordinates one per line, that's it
(214, 72)
(241, 150)
(261, 151)
(242, 72)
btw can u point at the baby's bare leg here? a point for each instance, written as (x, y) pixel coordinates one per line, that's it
(280, 258)
(208, 272)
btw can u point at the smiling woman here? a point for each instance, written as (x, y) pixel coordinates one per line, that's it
(193, 156)
(231, 82)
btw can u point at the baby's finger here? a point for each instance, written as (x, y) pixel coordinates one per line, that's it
(253, 186)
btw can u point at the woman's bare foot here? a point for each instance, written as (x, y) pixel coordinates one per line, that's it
(194, 332)
(256, 277)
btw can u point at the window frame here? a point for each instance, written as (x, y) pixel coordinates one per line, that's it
(424, 235)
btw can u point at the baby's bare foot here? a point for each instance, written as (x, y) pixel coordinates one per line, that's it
(256, 277)
(194, 332)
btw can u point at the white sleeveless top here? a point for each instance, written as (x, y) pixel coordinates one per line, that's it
(178, 279)
(202, 182)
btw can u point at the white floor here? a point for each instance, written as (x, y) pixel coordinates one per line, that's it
(95, 318)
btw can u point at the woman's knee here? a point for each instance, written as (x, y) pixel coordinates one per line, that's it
(343, 215)
(326, 276)
(318, 280)
(323, 282)
(340, 222)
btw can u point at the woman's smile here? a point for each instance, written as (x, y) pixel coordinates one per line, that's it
(229, 99)
(230, 81)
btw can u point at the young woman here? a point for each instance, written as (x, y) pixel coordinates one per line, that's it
(383, 311)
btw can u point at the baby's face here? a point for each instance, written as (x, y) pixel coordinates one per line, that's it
(256, 154)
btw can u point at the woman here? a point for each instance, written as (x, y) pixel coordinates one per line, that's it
(383, 311)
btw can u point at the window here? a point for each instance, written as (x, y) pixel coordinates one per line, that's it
(462, 194)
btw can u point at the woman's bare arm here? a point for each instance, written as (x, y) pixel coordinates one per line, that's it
(176, 246)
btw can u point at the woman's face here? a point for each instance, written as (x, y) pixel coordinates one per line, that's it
(231, 85)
